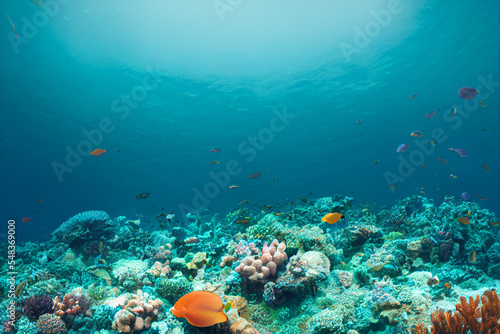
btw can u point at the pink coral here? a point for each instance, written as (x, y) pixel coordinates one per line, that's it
(160, 269)
(266, 266)
(137, 311)
(162, 253)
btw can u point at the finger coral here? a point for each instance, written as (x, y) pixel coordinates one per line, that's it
(468, 318)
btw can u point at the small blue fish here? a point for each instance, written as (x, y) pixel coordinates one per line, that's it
(402, 148)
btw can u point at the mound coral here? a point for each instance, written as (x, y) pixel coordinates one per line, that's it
(50, 324)
(137, 313)
(266, 265)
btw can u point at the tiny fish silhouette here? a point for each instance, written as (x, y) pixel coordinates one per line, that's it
(143, 195)
(431, 114)
(254, 175)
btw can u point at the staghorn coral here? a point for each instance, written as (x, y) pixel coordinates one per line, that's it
(468, 318)
(488, 314)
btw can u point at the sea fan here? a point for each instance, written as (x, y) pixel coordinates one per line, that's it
(35, 306)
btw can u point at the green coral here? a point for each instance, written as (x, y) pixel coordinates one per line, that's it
(394, 236)
(97, 293)
(323, 303)
(173, 289)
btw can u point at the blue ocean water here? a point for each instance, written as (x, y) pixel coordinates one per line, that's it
(315, 96)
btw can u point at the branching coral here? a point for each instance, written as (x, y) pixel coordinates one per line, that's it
(448, 323)
(74, 303)
(468, 318)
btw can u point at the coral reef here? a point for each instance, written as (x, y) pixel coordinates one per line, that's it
(372, 272)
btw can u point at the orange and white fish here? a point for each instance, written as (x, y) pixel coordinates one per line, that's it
(233, 186)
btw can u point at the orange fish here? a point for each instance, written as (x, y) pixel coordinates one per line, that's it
(486, 168)
(453, 176)
(25, 220)
(242, 221)
(416, 134)
(200, 308)
(464, 220)
(15, 32)
(412, 97)
(332, 218)
(214, 162)
(447, 286)
(494, 223)
(97, 152)
(234, 186)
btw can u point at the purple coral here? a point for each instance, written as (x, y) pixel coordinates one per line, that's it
(36, 306)
(467, 93)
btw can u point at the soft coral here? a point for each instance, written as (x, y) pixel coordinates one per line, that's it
(468, 318)
(35, 306)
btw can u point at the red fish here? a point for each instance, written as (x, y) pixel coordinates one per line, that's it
(216, 150)
(25, 220)
(442, 160)
(97, 152)
(431, 114)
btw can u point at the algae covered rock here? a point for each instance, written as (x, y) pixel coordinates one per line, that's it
(313, 264)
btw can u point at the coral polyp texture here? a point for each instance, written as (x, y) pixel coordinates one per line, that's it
(412, 267)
